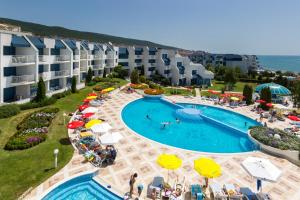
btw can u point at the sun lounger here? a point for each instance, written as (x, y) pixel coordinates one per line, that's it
(157, 184)
(217, 192)
(248, 194)
(232, 192)
(196, 192)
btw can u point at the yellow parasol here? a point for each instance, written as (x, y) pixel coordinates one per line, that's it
(169, 162)
(208, 168)
(92, 123)
(107, 90)
(91, 97)
(234, 98)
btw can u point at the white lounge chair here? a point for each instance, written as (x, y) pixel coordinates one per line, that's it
(217, 192)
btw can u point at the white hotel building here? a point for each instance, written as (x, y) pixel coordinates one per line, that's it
(24, 58)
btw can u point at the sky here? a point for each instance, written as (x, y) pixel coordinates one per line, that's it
(261, 27)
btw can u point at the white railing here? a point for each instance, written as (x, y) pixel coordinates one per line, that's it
(43, 58)
(98, 57)
(62, 58)
(83, 56)
(83, 69)
(151, 56)
(60, 73)
(138, 56)
(109, 56)
(76, 71)
(23, 59)
(76, 57)
(20, 79)
(45, 75)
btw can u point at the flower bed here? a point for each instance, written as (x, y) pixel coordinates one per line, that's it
(139, 86)
(153, 91)
(277, 142)
(32, 130)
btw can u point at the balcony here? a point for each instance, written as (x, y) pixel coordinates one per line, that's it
(43, 58)
(15, 80)
(45, 75)
(96, 67)
(62, 58)
(109, 56)
(83, 56)
(83, 69)
(25, 59)
(151, 57)
(76, 57)
(60, 73)
(98, 57)
(76, 71)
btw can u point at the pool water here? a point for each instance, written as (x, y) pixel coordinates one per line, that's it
(81, 188)
(228, 134)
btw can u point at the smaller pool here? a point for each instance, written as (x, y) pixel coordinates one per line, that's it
(81, 188)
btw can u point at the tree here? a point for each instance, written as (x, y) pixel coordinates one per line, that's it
(104, 73)
(134, 76)
(142, 79)
(89, 75)
(73, 86)
(266, 95)
(120, 72)
(247, 93)
(41, 91)
(296, 93)
(229, 78)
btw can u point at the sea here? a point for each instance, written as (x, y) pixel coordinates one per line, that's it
(283, 63)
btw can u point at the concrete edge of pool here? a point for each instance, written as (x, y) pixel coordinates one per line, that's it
(90, 172)
(187, 150)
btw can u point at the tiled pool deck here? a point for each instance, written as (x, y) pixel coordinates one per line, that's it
(137, 154)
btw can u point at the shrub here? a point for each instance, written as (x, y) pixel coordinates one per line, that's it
(73, 86)
(91, 83)
(134, 76)
(247, 93)
(62, 94)
(9, 110)
(265, 135)
(153, 91)
(89, 76)
(41, 91)
(45, 102)
(139, 86)
(142, 79)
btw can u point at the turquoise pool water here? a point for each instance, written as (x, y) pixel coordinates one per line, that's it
(219, 131)
(81, 188)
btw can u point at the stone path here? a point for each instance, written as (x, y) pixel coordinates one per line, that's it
(138, 154)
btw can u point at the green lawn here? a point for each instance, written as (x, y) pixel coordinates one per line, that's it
(21, 170)
(239, 86)
(183, 92)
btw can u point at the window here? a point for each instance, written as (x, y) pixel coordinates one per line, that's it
(194, 72)
(151, 61)
(9, 50)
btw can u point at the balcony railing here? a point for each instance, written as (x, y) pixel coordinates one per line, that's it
(98, 57)
(43, 58)
(60, 73)
(83, 56)
(20, 79)
(83, 69)
(109, 56)
(76, 71)
(45, 75)
(23, 59)
(62, 58)
(76, 57)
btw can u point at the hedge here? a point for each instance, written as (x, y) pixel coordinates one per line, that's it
(32, 130)
(45, 102)
(9, 110)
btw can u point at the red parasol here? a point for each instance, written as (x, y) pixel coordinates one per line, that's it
(75, 124)
(269, 105)
(294, 118)
(82, 107)
(261, 101)
(87, 100)
(87, 115)
(92, 94)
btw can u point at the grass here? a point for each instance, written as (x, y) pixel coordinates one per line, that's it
(23, 169)
(183, 92)
(239, 86)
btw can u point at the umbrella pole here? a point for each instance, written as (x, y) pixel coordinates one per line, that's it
(206, 182)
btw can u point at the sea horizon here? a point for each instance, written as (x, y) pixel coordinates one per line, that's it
(280, 62)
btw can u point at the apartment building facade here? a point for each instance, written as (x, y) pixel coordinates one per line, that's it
(25, 58)
(166, 62)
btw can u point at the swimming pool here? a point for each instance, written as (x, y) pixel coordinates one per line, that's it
(217, 131)
(83, 188)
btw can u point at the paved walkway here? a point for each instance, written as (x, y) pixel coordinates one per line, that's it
(137, 154)
(198, 93)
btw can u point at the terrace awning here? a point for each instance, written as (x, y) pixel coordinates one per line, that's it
(19, 41)
(85, 45)
(37, 42)
(71, 44)
(59, 45)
